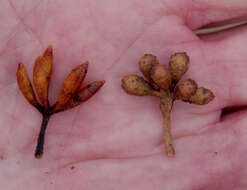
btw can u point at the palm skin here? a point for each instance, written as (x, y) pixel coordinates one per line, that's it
(114, 141)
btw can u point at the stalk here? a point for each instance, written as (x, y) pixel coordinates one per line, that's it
(41, 138)
(166, 103)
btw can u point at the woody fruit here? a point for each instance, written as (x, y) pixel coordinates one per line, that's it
(163, 82)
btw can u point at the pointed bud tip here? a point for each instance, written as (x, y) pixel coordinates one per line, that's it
(20, 65)
(82, 66)
(19, 68)
(85, 65)
(48, 52)
(95, 86)
(49, 47)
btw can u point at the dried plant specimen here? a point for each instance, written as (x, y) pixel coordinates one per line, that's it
(70, 94)
(162, 82)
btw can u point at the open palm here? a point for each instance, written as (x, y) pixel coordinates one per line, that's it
(114, 141)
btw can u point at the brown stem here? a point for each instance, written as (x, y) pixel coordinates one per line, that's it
(41, 139)
(166, 103)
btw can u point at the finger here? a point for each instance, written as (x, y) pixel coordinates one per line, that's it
(201, 13)
(222, 28)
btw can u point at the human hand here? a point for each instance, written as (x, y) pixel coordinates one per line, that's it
(114, 141)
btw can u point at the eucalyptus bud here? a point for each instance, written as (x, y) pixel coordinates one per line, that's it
(161, 76)
(136, 85)
(202, 96)
(178, 65)
(42, 74)
(146, 63)
(185, 89)
(25, 85)
(71, 84)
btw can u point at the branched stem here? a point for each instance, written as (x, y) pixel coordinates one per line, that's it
(166, 103)
(41, 138)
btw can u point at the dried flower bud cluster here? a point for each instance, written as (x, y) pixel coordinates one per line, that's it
(70, 94)
(169, 90)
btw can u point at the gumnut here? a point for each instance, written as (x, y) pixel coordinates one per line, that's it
(161, 76)
(146, 63)
(136, 85)
(185, 89)
(178, 65)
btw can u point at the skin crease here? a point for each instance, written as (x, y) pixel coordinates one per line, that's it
(114, 140)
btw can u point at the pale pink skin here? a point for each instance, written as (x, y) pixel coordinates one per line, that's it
(114, 141)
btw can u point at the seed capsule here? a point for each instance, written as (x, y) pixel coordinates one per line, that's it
(136, 85)
(166, 79)
(41, 76)
(178, 65)
(202, 96)
(185, 89)
(25, 85)
(146, 63)
(161, 76)
(71, 84)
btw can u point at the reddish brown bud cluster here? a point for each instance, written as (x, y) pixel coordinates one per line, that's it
(166, 80)
(70, 95)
